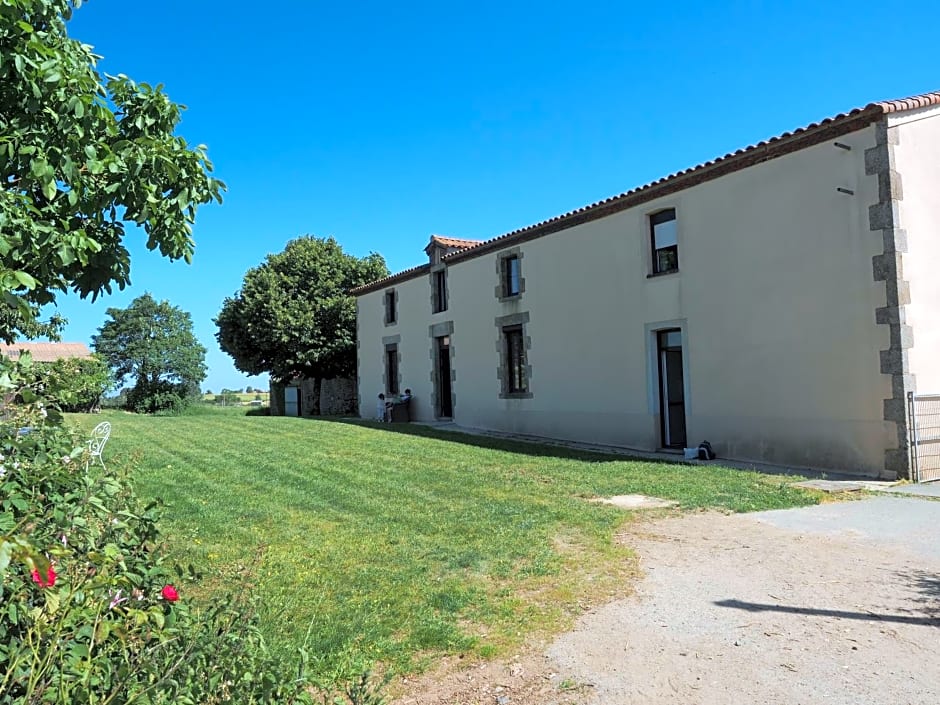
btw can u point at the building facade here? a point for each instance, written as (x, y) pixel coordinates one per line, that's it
(781, 302)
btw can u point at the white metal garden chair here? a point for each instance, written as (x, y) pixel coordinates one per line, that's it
(99, 437)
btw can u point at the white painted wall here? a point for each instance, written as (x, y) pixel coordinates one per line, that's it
(917, 157)
(775, 297)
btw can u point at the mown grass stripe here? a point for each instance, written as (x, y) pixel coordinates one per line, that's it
(390, 544)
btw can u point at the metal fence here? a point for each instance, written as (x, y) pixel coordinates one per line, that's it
(924, 413)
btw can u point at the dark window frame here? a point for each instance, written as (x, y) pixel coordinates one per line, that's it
(391, 307)
(391, 369)
(439, 279)
(510, 283)
(665, 260)
(517, 381)
(511, 288)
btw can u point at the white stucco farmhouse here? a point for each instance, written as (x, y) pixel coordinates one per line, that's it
(782, 302)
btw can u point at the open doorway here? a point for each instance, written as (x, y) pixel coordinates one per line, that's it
(445, 408)
(671, 388)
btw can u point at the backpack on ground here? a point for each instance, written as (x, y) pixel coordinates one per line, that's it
(705, 451)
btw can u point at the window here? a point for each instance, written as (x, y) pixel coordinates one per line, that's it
(516, 381)
(511, 276)
(514, 372)
(665, 241)
(391, 313)
(391, 369)
(510, 284)
(439, 279)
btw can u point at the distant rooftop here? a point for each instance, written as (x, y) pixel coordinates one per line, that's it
(45, 352)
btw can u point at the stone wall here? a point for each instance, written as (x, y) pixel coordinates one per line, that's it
(338, 397)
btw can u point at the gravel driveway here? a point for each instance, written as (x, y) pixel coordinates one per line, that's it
(838, 603)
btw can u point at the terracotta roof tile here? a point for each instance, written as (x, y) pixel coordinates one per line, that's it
(453, 241)
(45, 352)
(774, 147)
(924, 100)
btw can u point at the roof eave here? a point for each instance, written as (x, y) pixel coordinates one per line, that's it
(787, 143)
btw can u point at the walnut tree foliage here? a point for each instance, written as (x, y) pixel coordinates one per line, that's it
(294, 315)
(152, 344)
(82, 156)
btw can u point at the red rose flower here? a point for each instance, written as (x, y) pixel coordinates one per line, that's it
(44, 581)
(169, 593)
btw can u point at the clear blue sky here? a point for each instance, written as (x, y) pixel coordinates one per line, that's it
(382, 123)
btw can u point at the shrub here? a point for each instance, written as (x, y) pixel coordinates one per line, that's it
(160, 397)
(75, 384)
(91, 612)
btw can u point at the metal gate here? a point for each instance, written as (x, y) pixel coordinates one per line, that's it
(924, 413)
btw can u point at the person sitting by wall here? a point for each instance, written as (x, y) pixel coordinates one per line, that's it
(401, 409)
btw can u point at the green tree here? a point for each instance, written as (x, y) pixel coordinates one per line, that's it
(152, 343)
(293, 314)
(82, 156)
(75, 384)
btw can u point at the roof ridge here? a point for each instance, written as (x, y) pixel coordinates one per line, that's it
(448, 238)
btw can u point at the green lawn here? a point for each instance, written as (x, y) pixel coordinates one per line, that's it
(394, 544)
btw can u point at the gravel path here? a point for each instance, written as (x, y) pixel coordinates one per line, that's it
(830, 606)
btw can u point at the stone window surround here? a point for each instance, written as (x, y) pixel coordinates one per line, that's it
(501, 289)
(502, 371)
(435, 331)
(432, 277)
(387, 342)
(889, 267)
(385, 317)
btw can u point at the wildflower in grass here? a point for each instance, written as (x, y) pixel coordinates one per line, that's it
(44, 581)
(116, 599)
(169, 593)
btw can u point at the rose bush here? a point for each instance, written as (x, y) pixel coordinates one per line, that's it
(89, 611)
